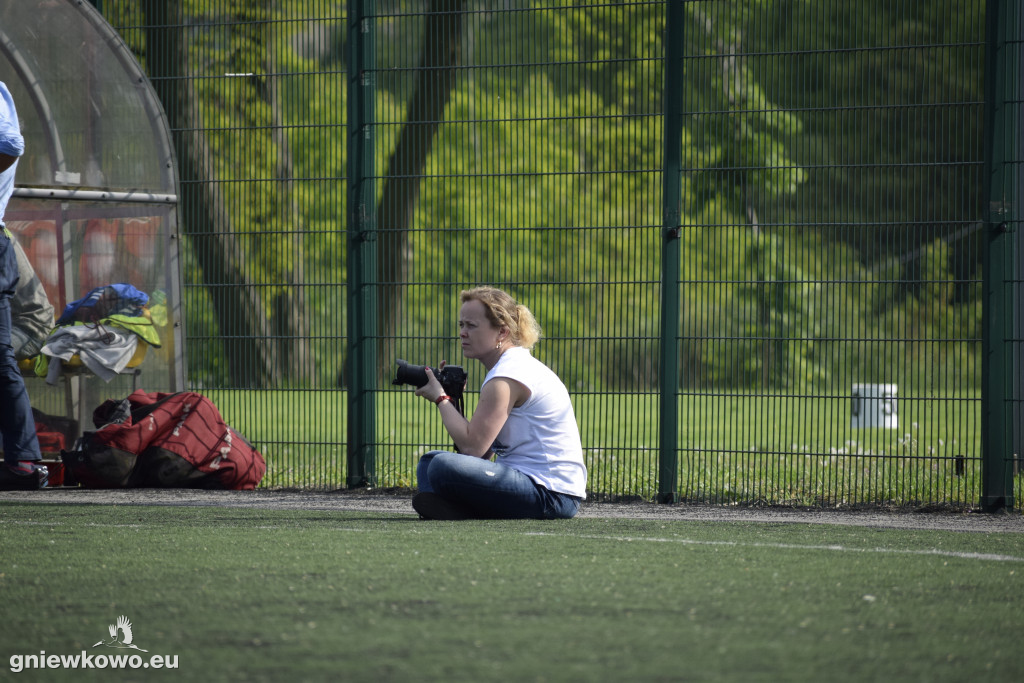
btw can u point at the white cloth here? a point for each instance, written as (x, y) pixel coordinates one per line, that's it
(104, 350)
(541, 438)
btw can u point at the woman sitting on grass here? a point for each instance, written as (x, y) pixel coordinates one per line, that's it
(524, 420)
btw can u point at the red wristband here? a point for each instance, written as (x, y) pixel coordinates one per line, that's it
(441, 399)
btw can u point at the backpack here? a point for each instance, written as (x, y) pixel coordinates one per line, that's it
(158, 440)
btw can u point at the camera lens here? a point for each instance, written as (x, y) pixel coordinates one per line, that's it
(416, 375)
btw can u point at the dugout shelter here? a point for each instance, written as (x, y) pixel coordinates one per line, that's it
(95, 201)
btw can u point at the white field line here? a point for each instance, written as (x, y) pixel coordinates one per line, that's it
(100, 525)
(682, 541)
(793, 546)
(19, 522)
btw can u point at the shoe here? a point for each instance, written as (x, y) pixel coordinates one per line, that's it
(24, 476)
(433, 506)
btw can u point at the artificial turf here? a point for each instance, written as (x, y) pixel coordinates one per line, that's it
(243, 594)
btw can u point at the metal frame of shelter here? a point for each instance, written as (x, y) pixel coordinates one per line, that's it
(96, 198)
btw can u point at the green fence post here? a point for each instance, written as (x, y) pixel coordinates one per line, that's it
(361, 319)
(997, 311)
(1016, 187)
(668, 457)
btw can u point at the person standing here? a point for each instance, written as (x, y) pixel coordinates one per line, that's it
(21, 468)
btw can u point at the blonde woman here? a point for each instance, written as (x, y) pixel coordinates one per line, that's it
(519, 453)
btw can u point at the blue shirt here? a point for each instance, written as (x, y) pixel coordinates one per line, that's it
(11, 144)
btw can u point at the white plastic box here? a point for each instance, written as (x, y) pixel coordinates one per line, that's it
(874, 405)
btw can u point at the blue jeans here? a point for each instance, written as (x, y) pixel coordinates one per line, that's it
(17, 425)
(490, 490)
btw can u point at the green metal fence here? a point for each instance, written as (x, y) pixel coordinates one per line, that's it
(772, 244)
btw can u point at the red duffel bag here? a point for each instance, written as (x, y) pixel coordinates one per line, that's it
(163, 440)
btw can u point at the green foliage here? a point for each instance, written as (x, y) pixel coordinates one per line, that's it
(741, 140)
(829, 167)
(780, 324)
(889, 98)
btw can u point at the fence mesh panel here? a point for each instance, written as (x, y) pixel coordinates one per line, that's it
(830, 230)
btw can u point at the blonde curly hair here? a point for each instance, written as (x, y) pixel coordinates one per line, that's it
(504, 311)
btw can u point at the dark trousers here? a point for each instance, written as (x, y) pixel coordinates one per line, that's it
(16, 423)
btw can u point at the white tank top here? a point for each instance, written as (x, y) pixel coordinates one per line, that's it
(541, 438)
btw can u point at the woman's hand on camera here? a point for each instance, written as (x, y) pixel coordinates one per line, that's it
(432, 390)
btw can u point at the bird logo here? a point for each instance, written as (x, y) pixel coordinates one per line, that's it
(120, 635)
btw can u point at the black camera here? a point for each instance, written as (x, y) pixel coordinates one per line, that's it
(451, 377)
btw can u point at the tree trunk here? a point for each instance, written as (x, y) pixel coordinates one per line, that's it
(435, 80)
(243, 325)
(290, 320)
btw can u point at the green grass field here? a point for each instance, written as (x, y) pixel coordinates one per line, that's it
(788, 450)
(249, 595)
